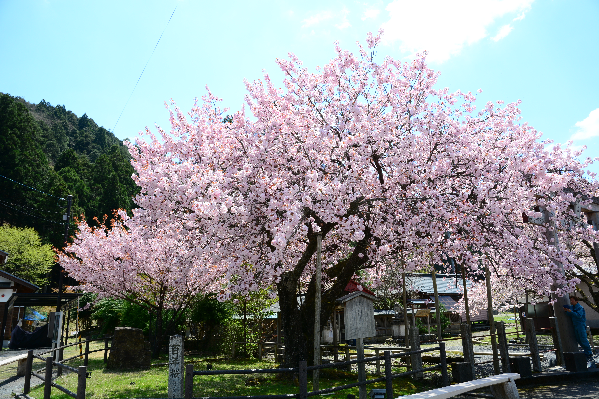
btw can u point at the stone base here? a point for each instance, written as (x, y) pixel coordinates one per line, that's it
(521, 365)
(21, 367)
(506, 390)
(461, 372)
(575, 361)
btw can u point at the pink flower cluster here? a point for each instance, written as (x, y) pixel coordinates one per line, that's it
(371, 155)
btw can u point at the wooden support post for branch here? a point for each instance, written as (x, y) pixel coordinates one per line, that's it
(317, 282)
(405, 309)
(361, 367)
(503, 348)
(437, 306)
(416, 358)
(492, 321)
(467, 348)
(533, 344)
(444, 373)
(347, 357)
(557, 343)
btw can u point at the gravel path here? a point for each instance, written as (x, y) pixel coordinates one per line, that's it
(10, 384)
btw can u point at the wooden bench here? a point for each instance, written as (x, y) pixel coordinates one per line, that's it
(502, 387)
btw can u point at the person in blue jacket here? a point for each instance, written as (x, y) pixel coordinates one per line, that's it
(579, 319)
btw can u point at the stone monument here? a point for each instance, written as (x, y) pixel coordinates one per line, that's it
(129, 350)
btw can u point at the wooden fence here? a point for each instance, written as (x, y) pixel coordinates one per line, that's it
(60, 364)
(302, 371)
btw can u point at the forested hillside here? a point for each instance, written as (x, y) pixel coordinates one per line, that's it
(47, 153)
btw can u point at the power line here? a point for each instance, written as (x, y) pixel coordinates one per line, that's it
(29, 214)
(31, 188)
(143, 70)
(33, 209)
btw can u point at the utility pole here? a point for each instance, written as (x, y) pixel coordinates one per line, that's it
(67, 218)
(318, 278)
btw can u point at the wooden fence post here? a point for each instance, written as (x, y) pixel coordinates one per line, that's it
(378, 362)
(28, 368)
(48, 378)
(303, 379)
(534, 345)
(503, 348)
(81, 381)
(105, 348)
(85, 359)
(443, 356)
(189, 381)
(388, 375)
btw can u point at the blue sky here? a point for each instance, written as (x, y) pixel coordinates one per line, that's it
(89, 55)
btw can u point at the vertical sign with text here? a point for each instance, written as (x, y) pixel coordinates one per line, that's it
(175, 367)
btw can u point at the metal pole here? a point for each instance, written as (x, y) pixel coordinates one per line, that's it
(318, 278)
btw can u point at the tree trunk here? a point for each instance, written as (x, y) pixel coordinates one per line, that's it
(158, 334)
(298, 320)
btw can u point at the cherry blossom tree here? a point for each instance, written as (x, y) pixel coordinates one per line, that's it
(139, 264)
(368, 154)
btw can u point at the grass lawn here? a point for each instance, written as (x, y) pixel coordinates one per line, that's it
(152, 383)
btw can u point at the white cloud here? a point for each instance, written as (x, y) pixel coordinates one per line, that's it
(317, 18)
(344, 23)
(503, 32)
(444, 27)
(338, 19)
(370, 14)
(588, 127)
